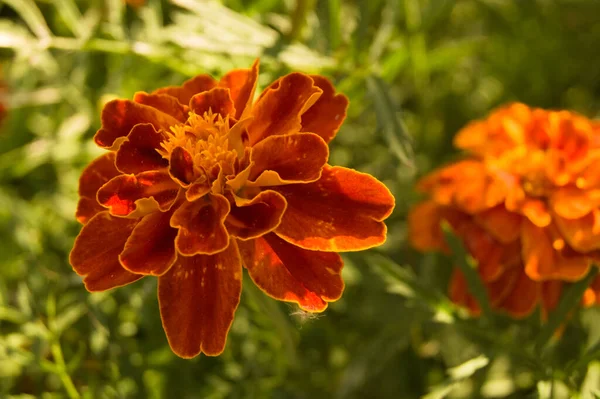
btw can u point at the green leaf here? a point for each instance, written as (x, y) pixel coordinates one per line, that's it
(461, 259)
(468, 368)
(68, 11)
(68, 317)
(399, 141)
(570, 298)
(32, 16)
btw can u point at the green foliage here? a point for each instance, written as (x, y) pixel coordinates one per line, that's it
(415, 72)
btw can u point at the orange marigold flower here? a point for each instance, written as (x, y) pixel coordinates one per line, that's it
(200, 180)
(525, 200)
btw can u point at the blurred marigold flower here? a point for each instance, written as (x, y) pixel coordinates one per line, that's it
(525, 200)
(199, 179)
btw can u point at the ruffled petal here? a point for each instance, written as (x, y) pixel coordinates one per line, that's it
(94, 176)
(165, 103)
(537, 212)
(424, 227)
(198, 297)
(191, 87)
(251, 218)
(582, 234)
(279, 109)
(544, 262)
(292, 274)
(524, 298)
(342, 211)
(216, 100)
(125, 194)
(503, 225)
(95, 254)
(201, 226)
(150, 249)
(327, 114)
(181, 166)
(572, 202)
(138, 153)
(120, 116)
(278, 160)
(241, 84)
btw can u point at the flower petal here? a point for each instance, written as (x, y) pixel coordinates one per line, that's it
(191, 87)
(279, 109)
(95, 254)
(163, 102)
(582, 234)
(503, 225)
(424, 223)
(251, 218)
(342, 211)
(181, 166)
(123, 194)
(544, 262)
(524, 298)
(327, 114)
(138, 153)
(288, 273)
(201, 226)
(198, 297)
(120, 116)
(537, 212)
(241, 84)
(297, 157)
(216, 100)
(98, 172)
(573, 203)
(150, 249)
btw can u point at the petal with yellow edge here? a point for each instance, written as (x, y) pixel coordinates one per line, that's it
(122, 194)
(198, 297)
(342, 211)
(201, 226)
(94, 176)
(279, 109)
(544, 262)
(288, 273)
(216, 100)
(251, 218)
(95, 254)
(189, 89)
(297, 157)
(165, 103)
(150, 249)
(120, 116)
(241, 84)
(138, 153)
(327, 114)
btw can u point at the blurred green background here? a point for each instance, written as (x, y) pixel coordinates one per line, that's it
(415, 72)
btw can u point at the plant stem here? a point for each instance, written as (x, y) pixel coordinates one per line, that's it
(62, 370)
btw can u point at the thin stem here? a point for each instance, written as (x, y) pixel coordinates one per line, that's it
(62, 371)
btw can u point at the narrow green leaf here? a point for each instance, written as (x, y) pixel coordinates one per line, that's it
(32, 16)
(468, 368)
(399, 141)
(461, 259)
(68, 317)
(571, 298)
(68, 11)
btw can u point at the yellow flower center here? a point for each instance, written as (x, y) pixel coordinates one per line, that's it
(206, 139)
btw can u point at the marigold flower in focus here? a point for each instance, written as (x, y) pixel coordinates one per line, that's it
(199, 180)
(525, 201)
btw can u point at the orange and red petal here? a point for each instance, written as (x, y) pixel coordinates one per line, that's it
(198, 297)
(544, 262)
(120, 116)
(582, 234)
(94, 176)
(288, 273)
(241, 84)
(327, 114)
(251, 218)
(95, 254)
(424, 227)
(342, 211)
(181, 166)
(524, 297)
(122, 194)
(572, 203)
(150, 249)
(138, 153)
(297, 157)
(279, 109)
(503, 225)
(165, 103)
(201, 226)
(189, 89)
(216, 100)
